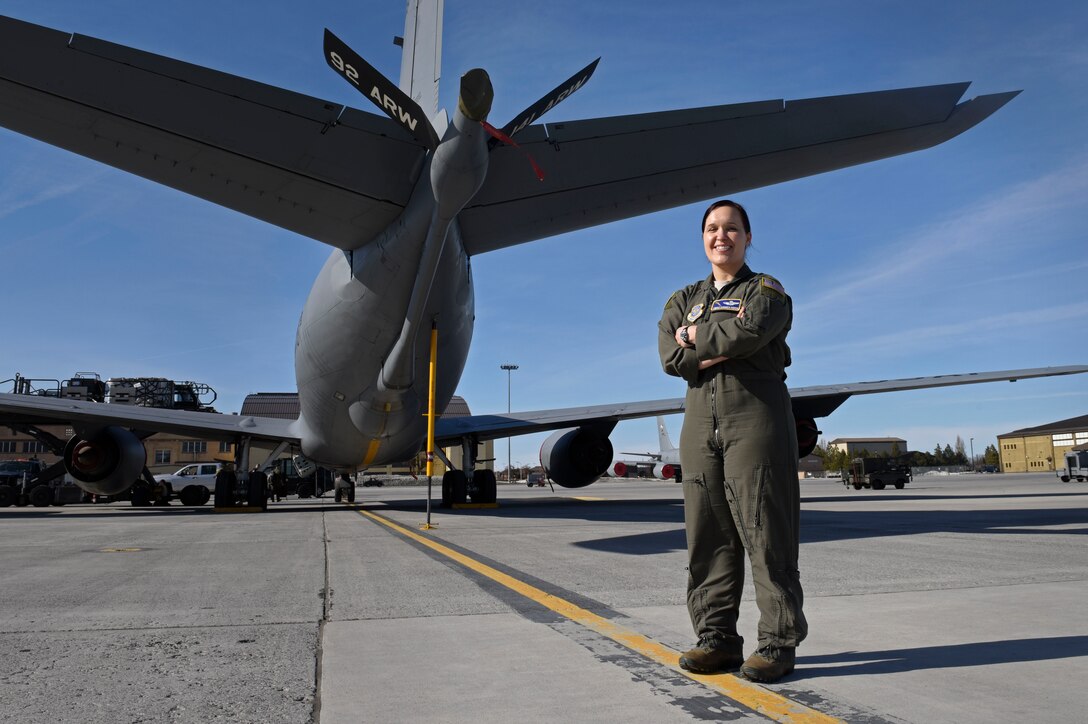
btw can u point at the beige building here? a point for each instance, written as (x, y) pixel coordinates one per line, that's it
(872, 445)
(1041, 449)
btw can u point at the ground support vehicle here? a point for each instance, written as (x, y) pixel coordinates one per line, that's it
(29, 482)
(876, 473)
(1076, 466)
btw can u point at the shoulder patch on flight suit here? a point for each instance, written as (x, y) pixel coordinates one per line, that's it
(771, 287)
(667, 303)
(725, 305)
(696, 312)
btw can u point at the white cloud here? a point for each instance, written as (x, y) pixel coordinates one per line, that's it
(983, 224)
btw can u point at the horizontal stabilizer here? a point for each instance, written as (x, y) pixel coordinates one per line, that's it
(607, 169)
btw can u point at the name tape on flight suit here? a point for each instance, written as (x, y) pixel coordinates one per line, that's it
(725, 305)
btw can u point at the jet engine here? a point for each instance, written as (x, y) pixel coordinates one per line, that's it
(665, 471)
(807, 436)
(106, 464)
(575, 458)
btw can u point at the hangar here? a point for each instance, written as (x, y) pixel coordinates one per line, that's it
(1038, 449)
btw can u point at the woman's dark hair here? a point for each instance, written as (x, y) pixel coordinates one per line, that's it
(733, 204)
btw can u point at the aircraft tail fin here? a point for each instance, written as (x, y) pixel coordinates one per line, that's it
(421, 57)
(663, 436)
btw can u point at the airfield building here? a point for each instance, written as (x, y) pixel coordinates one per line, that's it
(1042, 448)
(872, 446)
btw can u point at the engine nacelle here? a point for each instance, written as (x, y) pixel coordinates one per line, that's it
(575, 458)
(665, 471)
(807, 436)
(107, 464)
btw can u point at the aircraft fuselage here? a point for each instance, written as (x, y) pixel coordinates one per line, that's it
(362, 348)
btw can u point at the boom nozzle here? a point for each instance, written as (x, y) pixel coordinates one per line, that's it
(476, 94)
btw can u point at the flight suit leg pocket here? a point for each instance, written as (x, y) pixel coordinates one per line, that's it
(747, 500)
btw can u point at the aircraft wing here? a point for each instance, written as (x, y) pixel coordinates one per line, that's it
(808, 402)
(606, 169)
(315, 167)
(34, 410)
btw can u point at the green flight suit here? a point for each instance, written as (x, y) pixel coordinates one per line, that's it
(738, 456)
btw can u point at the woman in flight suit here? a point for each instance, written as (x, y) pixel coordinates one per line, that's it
(726, 337)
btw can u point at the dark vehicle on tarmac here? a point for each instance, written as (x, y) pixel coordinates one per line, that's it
(876, 473)
(536, 479)
(20, 485)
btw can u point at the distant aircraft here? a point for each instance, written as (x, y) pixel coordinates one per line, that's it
(405, 201)
(666, 461)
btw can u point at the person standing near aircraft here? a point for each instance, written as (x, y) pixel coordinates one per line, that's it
(726, 337)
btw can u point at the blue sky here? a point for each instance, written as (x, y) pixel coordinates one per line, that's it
(968, 256)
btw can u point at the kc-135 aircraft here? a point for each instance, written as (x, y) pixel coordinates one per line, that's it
(405, 200)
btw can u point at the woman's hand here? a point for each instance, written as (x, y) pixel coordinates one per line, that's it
(691, 337)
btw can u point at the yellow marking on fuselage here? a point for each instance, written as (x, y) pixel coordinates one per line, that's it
(371, 452)
(764, 701)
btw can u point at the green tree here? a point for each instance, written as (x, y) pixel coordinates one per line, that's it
(938, 455)
(949, 455)
(991, 457)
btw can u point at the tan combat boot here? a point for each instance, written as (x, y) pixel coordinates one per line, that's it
(768, 664)
(711, 657)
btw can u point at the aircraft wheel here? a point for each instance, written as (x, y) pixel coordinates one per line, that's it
(857, 486)
(40, 496)
(336, 496)
(7, 495)
(255, 494)
(454, 487)
(190, 495)
(486, 486)
(351, 494)
(141, 495)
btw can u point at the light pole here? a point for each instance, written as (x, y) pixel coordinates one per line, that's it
(509, 465)
(972, 454)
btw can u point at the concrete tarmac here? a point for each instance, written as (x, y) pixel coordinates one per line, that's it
(960, 598)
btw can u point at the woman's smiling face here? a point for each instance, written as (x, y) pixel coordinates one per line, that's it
(725, 241)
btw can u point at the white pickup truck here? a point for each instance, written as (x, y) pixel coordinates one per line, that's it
(194, 483)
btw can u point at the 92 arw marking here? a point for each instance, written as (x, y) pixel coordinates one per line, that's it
(346, 68)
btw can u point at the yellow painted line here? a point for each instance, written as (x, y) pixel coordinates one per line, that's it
(586, 497)
(371, 452)
(757, 698)
(119, 550)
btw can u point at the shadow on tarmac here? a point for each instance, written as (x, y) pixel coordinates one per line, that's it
(982, 653)
(819, 526)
